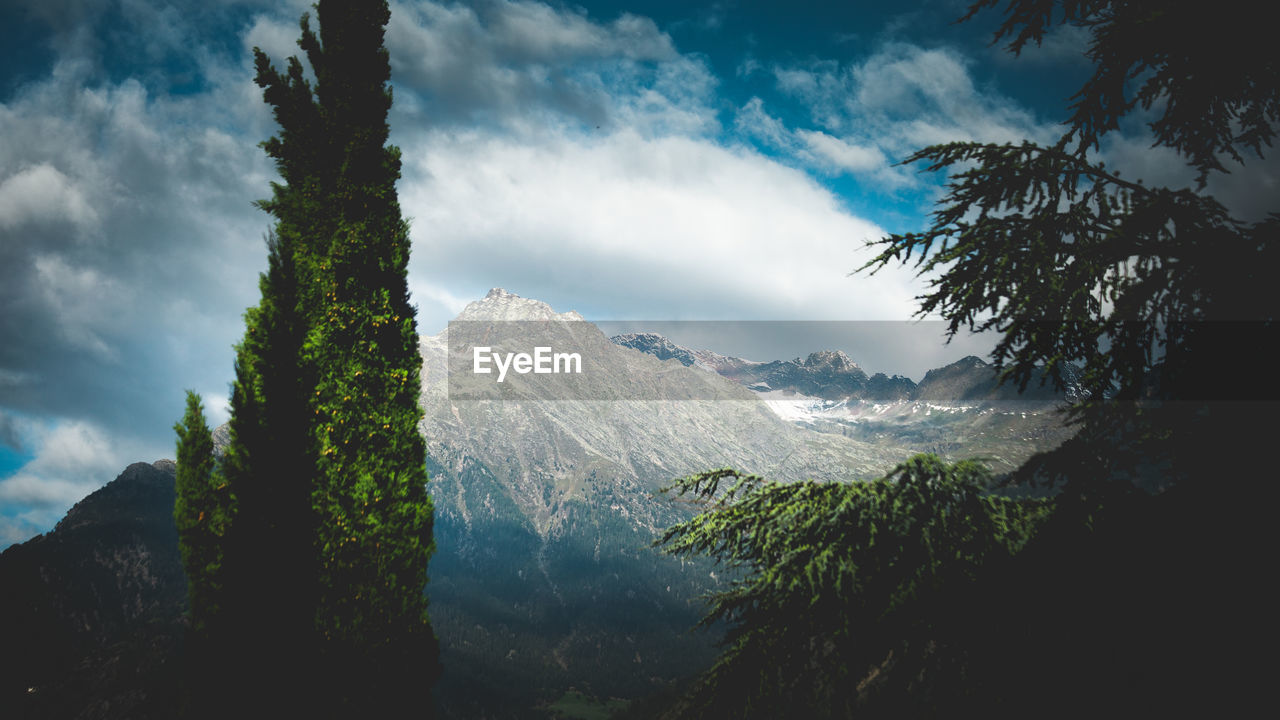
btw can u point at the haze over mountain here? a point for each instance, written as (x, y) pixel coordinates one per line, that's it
(545, 503)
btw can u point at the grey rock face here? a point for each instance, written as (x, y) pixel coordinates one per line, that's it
(638, 444)
(657, 346)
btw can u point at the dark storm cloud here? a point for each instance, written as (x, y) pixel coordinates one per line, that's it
(119, 214)
(9, 436)
(128, 243)
(496, 61)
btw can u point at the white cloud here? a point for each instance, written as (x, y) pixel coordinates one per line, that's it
(11, 378)
(68, 449)
(818, 150)
(754, 122)
(670, 226)
(41, 193)
(25, 488)
(870, 114)
(877, 111)
(841, 154)
(524, 64)
(81, 302)
(10, 432)
(435, 301)
(277, 37)
(22, 528)
(536, 32)
(127, 224)
(71, 458)
(906, 80)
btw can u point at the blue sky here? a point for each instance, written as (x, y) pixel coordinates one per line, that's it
(628, 160)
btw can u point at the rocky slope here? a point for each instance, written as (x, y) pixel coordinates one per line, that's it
(629, 417)
(545, 499)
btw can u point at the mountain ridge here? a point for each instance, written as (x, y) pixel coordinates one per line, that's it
(92, 612)
(833, 375)
(543, 579)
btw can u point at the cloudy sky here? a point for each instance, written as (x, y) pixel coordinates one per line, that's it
(653, 159)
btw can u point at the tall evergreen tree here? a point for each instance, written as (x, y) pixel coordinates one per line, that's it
(374, 518)
(201, 512)
(325, 562)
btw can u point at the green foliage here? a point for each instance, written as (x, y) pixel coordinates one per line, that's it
(826, 579)
(360, 344)
(325, 564)
(202, 511)
(573, 705)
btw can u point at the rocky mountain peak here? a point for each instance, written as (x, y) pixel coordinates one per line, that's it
(655, 345)
(971, 379)
(501, 305)
(140, 483)
(832, 360)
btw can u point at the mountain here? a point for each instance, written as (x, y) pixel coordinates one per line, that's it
(545, 592)
(91, 613)
(825, 374)
(832, 375)
(970, 379)
(959, 410)
(629, 417)
(546, 505)
(657, 346)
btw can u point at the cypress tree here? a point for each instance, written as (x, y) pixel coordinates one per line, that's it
(201, 512)
(374, 517)
(325, 562)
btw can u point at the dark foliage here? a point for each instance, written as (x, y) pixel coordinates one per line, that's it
(1140, 592)
(322, 607)
(1156, 292)
(1207, 68)
(835, 582)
